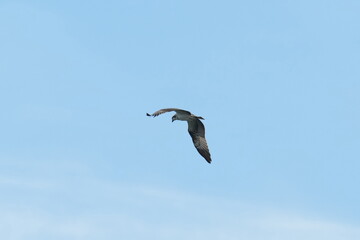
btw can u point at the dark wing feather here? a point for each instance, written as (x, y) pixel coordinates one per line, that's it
(197, 132)
(161, 111)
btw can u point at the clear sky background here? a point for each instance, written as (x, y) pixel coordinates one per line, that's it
(278, 83)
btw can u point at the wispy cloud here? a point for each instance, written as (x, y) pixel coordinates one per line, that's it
(21, 182)
(138, 212)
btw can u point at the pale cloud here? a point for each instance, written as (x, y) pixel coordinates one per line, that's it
(21, 182)
(37, 225)
(149, 212)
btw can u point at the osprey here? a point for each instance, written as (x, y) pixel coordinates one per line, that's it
(195, 127)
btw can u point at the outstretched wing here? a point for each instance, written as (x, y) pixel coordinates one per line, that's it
(161, 111)
(197, 132)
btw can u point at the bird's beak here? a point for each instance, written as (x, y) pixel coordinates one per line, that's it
(172, 120)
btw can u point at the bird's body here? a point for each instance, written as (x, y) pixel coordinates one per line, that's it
(195, 127)
(183, 116)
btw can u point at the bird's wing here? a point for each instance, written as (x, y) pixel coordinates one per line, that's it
(197, 132)
(161, 111)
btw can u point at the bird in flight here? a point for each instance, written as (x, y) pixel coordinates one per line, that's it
(195, 127)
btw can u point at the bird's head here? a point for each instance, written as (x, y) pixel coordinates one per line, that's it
(174, 118)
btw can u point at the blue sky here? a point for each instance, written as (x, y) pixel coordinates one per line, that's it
(278, 83)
